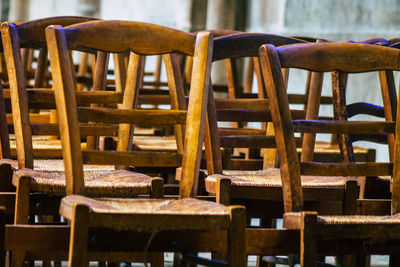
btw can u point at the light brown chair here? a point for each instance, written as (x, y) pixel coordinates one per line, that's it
(263, 188)
(44, 179)
(136, 214)
(341, 58)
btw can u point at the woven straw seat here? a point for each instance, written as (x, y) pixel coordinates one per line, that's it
(293, 220)
(43, 147)
(186, 209)
(326, 147)
(155, 143)
(272, 178)
(13, 163)
(99, 180)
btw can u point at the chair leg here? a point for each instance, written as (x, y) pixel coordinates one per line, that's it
(22, 200)
(237, 237)
(157, 188)
(22, 203)
(308, 244)
(157, 260)
(78, 237)
(2, 236)
(6, 173)
(350, 198)
(223, 191)
(394, 260)
(177, 260)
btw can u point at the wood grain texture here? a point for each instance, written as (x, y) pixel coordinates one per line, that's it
(349, 58)
(196, 114)
(139, 41)
(237, 45)
(66, 110)
(290, 169)
(140, 117)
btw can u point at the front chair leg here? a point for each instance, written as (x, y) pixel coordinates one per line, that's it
(223, 191)
(308, 243)
(21, 215)
(78, 236)
(237, 237)
(157, 188)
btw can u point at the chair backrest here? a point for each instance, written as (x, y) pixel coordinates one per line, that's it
(135, 37)
(26, 35)
(324, 57)
(229, 48)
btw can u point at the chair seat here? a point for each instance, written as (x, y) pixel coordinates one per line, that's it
(327, 147)
(187, 213)
(48, 177)
(13, 163)
(43, 147)
(272, 178)
(293, 220)
(155, 143)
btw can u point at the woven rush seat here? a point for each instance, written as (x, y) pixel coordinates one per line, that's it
(13, 163)
(295, 219)
(333, 148)
(99, 180)
(43, 142)
(155, 143)
(186, 209)
(272, 178)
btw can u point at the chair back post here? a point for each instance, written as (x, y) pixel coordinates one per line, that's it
(4, 134)
(198, 96)
(19, 103)
(66, 110)
(131, 98)
(395, 208)
(284, 133)
(177, 94)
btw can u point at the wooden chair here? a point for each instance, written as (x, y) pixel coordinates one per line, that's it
(137, 215)
(256, 189)
(340, 58)
(42, 181)
(256, 160)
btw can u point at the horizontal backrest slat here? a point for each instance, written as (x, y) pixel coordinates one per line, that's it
(345, 57)
(133, 158)
(247, 141)
(347, 127)
(346, 169)
(138, 40)
(141, 117)
(249, 115)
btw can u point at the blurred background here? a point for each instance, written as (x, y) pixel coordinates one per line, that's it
(334, 20)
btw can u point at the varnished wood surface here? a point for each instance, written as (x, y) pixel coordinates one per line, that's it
(238, 46)
(139, 42)
(373, 57)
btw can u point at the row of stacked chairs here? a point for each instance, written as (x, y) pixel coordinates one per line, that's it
(137, 179)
